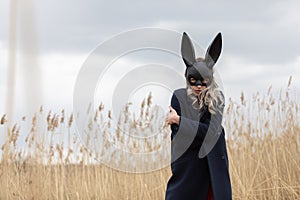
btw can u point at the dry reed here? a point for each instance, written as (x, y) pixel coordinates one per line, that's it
(263, 144)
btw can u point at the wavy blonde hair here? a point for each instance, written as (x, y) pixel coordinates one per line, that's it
(212, 97)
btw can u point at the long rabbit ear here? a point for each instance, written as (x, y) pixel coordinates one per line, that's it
(187, 50)
(214, 50)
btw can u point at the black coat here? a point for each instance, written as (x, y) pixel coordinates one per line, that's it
(193, 175)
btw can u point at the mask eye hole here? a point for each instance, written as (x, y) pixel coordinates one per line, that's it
(193, 80)
(204, 82)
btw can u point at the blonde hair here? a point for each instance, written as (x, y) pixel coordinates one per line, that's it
(212, 97)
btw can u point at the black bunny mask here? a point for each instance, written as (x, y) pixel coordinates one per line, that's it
(200, 69)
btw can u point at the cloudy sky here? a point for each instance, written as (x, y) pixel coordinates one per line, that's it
(261, 45)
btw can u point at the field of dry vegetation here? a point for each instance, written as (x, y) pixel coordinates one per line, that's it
(51, 162)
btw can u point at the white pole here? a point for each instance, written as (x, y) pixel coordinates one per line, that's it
(29, 65)
(11, 62)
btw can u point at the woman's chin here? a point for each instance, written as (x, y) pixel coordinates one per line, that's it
(197, 93)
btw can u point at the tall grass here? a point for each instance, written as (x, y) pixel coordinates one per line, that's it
(51, 162)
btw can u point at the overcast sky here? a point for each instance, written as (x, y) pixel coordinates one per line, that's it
(261, 45)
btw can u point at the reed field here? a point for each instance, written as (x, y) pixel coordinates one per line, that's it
(50, 161)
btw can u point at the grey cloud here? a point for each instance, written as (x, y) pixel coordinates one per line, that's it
(252, 30)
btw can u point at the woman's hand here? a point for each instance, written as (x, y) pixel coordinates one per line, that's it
(172, 116)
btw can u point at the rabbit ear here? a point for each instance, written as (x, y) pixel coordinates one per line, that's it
(214, 50)
(187, 50)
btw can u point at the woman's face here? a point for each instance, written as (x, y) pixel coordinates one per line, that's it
(197, 89)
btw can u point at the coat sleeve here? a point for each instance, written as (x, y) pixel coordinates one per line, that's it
(189, 127)
(175, 104)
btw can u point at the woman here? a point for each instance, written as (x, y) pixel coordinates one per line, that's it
(199, 161)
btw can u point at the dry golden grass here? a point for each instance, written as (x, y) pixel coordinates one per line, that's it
(263, 144)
